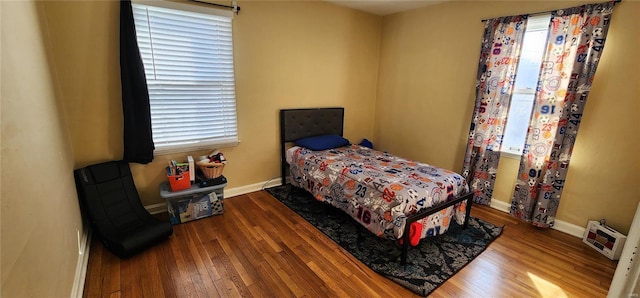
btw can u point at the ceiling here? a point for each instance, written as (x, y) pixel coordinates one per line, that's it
(384, 7)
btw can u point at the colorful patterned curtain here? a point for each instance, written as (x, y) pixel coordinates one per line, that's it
(575, 43)
(501, 45)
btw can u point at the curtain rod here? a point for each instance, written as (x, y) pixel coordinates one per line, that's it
(234, 7)
(541, 12)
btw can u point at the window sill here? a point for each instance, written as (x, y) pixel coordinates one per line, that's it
(193, 148)
(511, 155)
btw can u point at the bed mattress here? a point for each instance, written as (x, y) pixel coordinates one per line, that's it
(377, 189)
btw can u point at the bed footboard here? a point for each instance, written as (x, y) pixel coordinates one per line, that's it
(420, 215)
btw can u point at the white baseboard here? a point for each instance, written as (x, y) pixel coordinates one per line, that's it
(236, 191)
(500, 205)
(156, 208)
(83, 262)
(559, 225)
(228, 193)
(569, 228)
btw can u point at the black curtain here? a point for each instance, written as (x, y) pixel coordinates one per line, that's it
(138, 140)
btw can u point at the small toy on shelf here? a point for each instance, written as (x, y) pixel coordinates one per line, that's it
(216, 157)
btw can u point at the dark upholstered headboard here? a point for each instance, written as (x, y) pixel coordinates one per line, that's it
(301, 123)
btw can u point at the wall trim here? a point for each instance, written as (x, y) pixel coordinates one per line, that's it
(569, 228)
(236, 191)
(156, 208)
(500, 205)
(228, 193)
(562, 226)
(77, 290)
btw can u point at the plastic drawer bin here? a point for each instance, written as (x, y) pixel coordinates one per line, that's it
(193, 203)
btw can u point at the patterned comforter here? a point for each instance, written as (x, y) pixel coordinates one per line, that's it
(377, 189)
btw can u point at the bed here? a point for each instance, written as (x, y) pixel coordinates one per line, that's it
(392, 197)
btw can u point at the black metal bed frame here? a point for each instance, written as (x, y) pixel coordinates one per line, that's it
(300, 123)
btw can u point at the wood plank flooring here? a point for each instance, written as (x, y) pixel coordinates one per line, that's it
(260, 248)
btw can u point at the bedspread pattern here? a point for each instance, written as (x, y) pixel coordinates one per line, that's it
(378, 189)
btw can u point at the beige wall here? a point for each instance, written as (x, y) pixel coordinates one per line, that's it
(40, 213)
(287, 55)
(428, 63)
(61, 108)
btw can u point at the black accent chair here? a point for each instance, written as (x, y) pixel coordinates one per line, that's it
(110, 200)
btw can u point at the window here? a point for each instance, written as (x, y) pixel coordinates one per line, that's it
(187, 52)
(533, 47)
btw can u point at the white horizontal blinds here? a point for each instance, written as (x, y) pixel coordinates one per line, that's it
(188, 60)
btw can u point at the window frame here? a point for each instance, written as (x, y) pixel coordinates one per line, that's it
(174, 146)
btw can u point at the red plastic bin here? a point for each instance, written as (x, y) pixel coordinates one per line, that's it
(179, 182)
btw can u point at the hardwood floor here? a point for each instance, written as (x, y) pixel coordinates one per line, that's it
(260, 248)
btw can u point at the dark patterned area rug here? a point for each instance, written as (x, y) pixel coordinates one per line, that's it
(429, 264)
